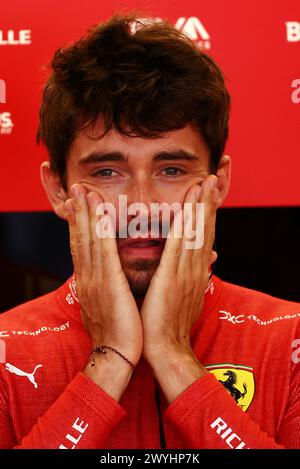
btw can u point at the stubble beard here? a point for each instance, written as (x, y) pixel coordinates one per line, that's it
(139, 274)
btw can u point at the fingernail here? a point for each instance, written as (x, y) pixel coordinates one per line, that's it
(213, 183)
(90, 198)
(69, 206)
(75, 191)
(216, 196)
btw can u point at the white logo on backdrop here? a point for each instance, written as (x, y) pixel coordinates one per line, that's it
(292, 31)
(194, 29)
(6, 123)
(15, 38)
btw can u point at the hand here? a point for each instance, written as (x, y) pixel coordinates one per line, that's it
(175, 296)
(108, 309)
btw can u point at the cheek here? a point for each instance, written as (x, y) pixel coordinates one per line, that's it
(174, 194)
(107, 192)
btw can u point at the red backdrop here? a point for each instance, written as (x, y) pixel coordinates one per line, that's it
(256, 42)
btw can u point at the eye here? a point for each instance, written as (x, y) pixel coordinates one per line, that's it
(173, 171)
(105, 172)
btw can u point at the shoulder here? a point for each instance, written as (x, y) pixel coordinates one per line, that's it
(240, 304)
(30, 317)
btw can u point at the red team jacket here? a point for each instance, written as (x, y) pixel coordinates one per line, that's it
(249, 341)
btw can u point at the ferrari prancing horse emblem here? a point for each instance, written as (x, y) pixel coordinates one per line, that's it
(238, 380)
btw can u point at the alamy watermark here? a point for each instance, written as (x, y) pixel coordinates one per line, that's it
(2, 351)
(2, 91)
(188, 221)
(292, 31)
(296, 93)
(296, 353)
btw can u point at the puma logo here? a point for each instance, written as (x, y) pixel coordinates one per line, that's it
(17, 371)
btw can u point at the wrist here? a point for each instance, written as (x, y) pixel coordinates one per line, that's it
(110, 372)
(174, 361)
(167, 351)
(103, 349)
(176, 371)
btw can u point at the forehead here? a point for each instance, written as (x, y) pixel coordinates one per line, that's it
(88, 140)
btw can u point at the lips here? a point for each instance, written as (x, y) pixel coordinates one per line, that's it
(140, 242)
(141, 247)
(143, 243)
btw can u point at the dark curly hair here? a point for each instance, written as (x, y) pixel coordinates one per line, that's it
(144, 77)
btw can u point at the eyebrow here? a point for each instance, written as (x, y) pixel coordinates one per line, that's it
(175, 155)
(167, 155)
(98, 156)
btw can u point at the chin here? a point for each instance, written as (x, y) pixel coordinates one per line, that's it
(139, 275)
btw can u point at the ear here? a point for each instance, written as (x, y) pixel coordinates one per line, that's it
(52, 185)
(224, 175)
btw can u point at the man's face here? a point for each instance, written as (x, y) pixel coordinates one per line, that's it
(146, 171)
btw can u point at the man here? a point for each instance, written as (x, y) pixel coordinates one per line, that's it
(179, 358)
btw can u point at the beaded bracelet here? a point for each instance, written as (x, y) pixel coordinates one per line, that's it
(102, 349)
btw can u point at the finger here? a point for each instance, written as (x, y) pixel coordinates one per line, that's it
(93, 200)
(209, 198)
(200, 218)
(82, 229)
(213, 258)
(172, 250)
(70, 215)
(108, 249)
(194, 194)
(175, 254)
(210, 192)
(191, 206)
(193, 226)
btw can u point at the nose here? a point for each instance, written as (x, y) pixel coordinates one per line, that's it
(140, 196)
(142, 192)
